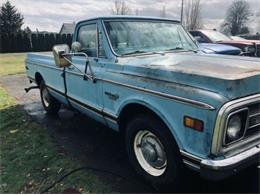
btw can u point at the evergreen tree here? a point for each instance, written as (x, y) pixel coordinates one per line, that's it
(11, 20)
(64, 39)
(34, 42)
(41, 43)
(46, 42)
(51, 41)
(69, 39)
(58, 39)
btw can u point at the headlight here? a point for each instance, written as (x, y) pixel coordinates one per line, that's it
(250, 49)
(236, 126)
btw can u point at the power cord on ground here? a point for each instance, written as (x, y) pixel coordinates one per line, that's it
(149, 188)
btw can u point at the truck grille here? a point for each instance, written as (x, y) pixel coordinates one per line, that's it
(253, 120)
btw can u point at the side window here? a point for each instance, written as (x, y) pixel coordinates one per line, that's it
(198, 36)
(203, 39)
(87, 36)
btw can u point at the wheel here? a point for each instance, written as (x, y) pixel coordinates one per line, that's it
(50, 104)
(152, 151)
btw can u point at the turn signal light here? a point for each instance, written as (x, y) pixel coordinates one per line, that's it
(193, 123)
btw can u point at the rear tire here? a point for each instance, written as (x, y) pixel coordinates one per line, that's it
(152, 151)
(50, 104)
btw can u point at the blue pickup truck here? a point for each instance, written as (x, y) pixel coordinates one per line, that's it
(173, 105)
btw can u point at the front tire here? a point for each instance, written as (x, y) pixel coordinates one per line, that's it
(50, 104)
(152, 151)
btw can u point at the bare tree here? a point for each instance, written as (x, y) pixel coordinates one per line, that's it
(257, 15)
(258, 27)
(237, 16)
(192, 15)
(120, 8)
(137, 12)
(163, 12)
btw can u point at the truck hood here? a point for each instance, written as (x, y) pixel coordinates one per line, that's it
(230, 76)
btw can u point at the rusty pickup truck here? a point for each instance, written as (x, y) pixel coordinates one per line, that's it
(173, 105)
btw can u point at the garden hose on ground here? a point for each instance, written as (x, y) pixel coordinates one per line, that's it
(149, 188)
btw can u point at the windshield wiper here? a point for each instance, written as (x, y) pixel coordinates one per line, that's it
(134, 52)
(175, 48)
(181, 49)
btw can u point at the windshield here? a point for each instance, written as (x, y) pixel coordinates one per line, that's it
(132, 37)
(216, 36)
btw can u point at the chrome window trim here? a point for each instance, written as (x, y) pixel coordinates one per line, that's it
(108, 39)
(225, 110)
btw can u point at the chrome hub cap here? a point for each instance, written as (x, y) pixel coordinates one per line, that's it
(45, 97)
(150, 153)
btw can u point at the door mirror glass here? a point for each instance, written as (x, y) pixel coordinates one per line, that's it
(76, 47)
(58, 52)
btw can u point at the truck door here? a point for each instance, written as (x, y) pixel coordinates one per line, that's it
(83, 93)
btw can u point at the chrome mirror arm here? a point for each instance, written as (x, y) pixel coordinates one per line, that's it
(91, 77)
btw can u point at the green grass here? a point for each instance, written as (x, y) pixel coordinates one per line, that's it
(11, 64)
(30, 160)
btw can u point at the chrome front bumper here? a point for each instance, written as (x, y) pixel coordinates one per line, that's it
(220, 169)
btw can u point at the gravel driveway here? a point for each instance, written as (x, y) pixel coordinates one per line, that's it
(95, 145)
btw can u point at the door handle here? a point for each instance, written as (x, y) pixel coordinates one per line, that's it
(112, 96)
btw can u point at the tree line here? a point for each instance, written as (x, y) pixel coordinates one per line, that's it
(15, 39)
(34, 42)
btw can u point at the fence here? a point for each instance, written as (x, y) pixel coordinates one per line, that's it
(35, 42)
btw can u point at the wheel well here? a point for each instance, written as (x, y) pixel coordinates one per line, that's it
(38, 78)
(131, 110)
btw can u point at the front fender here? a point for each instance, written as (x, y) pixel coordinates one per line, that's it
(154, 107)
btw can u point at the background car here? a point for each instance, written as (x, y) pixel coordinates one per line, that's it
(211, 48)
(237, 38)
(248, 47)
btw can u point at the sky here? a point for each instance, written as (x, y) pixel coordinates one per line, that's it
(49, 15)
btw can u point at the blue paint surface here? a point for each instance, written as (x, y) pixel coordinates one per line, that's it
(210, 79)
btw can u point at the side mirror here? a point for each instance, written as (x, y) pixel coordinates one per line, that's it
(76, 47)
(58, 52)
